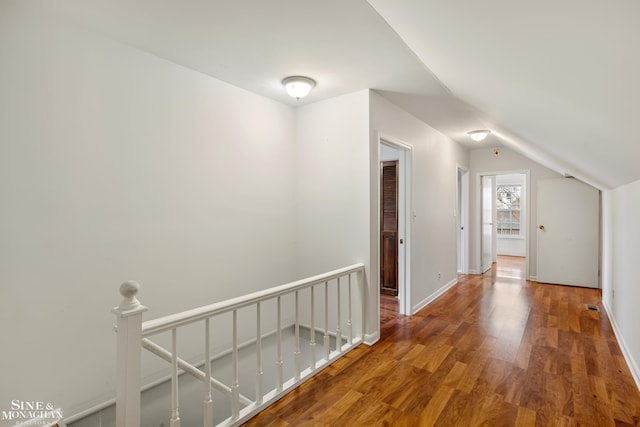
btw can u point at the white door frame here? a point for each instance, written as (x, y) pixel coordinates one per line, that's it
(478, 210)
(404, 222)
(462, 216)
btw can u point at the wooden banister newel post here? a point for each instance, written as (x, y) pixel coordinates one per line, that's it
(129, 349)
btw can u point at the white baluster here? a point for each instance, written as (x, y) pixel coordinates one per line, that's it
(259, 373)
(296, 353)
(349, 324)
(279, 364)
(175, 415)
(338, 329)
(327, 349)
(208, 402)
(129, 330)
(235, 388)
(312, 332)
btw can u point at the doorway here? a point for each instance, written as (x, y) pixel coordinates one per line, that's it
(504, 222)
(389, 227)
(462, 219)
(394, 226)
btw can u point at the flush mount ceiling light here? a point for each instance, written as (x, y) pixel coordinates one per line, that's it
(298, 86)
(478, 135)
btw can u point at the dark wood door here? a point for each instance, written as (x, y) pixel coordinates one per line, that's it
(389, 228)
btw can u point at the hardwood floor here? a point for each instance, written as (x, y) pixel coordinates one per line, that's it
(491, 351)
(512, 267)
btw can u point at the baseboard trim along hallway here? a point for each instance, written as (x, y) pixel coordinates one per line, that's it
(433, 296)
(633, 366)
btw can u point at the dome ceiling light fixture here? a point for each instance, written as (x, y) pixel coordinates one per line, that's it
(478, 135)
(298, 86)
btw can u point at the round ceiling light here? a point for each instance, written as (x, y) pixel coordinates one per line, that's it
(298, 86)
(479, 135)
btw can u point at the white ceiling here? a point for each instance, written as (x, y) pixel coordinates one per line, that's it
(561, 75)
(554, 80)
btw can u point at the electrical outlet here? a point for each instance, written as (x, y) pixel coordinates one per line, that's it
(439, 275)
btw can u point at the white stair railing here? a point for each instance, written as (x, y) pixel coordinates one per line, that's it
(133, 335)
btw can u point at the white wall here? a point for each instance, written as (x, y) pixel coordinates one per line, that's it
(434, 180)
(114, 165)
(511, 246)
(332, 190)
(620, 289)
(483, 160)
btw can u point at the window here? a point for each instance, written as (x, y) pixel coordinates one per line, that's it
(508, 210)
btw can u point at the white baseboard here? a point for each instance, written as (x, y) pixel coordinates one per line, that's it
(507, 253)
(472, 271)
(433, 296)
(534, 278)
(628, 357)
(371, 339)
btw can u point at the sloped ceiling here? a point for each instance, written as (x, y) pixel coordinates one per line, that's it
(561, 78)
(556, 81)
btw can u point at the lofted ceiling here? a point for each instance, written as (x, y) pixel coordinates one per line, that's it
(556, 81)
(560, 78)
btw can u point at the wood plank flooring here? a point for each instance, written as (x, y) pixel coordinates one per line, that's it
(493, 350)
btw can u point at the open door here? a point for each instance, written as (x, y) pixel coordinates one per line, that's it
(389, 227)
(488, 201)
(568, 232)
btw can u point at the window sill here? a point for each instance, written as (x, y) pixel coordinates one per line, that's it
(499, 236)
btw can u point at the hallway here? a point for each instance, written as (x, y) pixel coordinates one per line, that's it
(511, 267)
(493, 350)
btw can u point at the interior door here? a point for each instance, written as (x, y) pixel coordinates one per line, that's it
(488, 185)
(463, 220)
(568, 232)
(389, 228)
